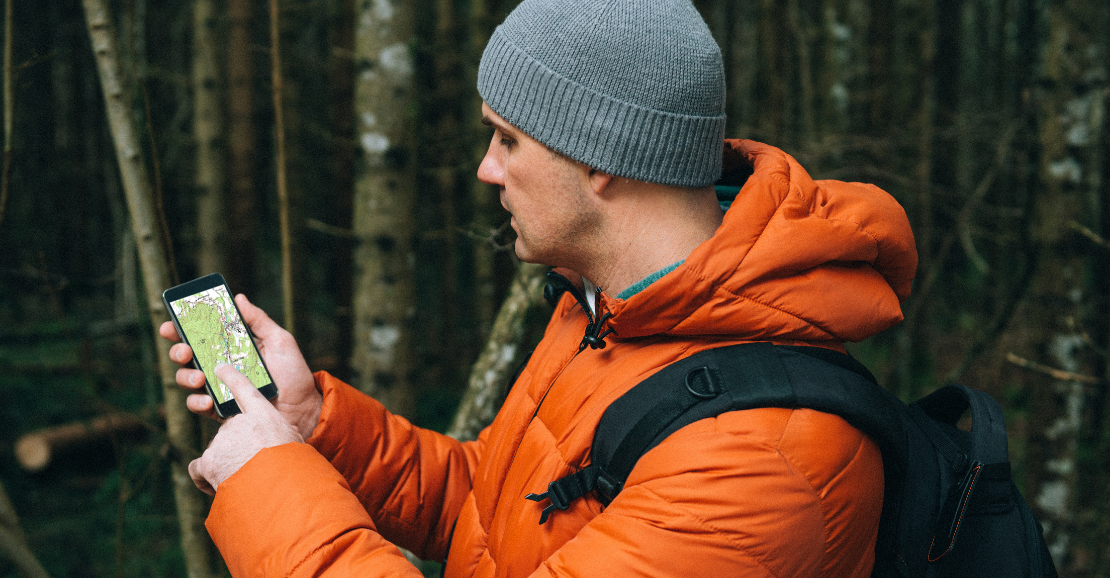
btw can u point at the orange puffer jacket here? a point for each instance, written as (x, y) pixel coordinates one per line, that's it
(762, 492)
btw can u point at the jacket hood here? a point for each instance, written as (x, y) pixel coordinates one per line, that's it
(794, 260)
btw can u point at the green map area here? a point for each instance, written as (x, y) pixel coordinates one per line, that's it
(216, 333)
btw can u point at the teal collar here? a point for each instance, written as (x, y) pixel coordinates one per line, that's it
(643, 283)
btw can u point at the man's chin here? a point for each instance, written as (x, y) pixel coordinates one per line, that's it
(522, 251)
(525, 255)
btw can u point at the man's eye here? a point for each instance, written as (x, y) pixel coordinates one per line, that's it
(506, 142)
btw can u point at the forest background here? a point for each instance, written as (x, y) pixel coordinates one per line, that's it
(321, 154)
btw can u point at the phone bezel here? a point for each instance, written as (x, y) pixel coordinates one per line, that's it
(211, 281)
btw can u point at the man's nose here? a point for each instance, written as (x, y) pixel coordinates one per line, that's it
(490, 171)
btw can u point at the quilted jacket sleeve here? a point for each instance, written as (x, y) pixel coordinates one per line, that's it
(411, 480)
(367, 480)
(287, 512)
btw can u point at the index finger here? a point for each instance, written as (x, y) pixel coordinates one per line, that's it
(168, 331)
(247, 397)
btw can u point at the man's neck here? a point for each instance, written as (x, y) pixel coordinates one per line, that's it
(648, 228)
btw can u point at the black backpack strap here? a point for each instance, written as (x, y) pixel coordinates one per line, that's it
(724, 379)
(632, 425)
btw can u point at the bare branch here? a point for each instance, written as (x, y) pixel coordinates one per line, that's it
(964, 219)
(1052, 372)
(322, 227)
(1090, 235)
(931, 276)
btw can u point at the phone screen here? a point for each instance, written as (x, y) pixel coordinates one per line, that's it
(209, 322)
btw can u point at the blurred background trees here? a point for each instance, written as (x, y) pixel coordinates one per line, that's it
(986, 119)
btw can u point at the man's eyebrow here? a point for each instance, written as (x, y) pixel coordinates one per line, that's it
(503, 127)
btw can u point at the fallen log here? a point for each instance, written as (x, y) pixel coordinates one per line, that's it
(35, 450)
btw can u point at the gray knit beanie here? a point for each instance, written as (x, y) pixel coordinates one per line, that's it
(634, 88)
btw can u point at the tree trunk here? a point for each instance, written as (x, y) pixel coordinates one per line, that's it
(775, 74)
(243, 206)
(836, 76)
(1069, 110)
(482, 196)
(382, 307)
(289, 315)
(802, 34)
(180, 425)
(742, 70)
(36, 450)
(489, 376)
(913, 333)
(9, 110)
(208, 132)
(342, 116)
(13, 543)
(445, 145)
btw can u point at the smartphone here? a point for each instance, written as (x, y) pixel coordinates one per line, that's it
(206, 318)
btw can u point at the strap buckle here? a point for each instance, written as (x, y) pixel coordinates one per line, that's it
(567, 489)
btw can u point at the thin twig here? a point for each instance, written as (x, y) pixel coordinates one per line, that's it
(964, 219)
(1090, 235)
(1052, 372)
(492, 237)
(322, 227)
(931, 276)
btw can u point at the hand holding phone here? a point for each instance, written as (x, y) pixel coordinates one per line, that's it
(207, 319)
(300, 402)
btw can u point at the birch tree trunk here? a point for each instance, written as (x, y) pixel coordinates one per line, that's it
(208, 132)
(180, 426)
(1071, 114)
(836, 76)
(382, 304)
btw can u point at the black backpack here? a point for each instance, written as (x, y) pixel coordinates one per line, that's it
(950, 507)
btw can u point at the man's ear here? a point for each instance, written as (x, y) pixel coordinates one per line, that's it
(599, 180)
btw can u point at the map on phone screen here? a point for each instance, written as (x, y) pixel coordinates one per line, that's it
(216, 333)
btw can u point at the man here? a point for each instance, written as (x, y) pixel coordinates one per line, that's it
(608, 137)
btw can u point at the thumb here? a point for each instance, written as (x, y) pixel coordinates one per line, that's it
(246, 396)
(260, 324)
